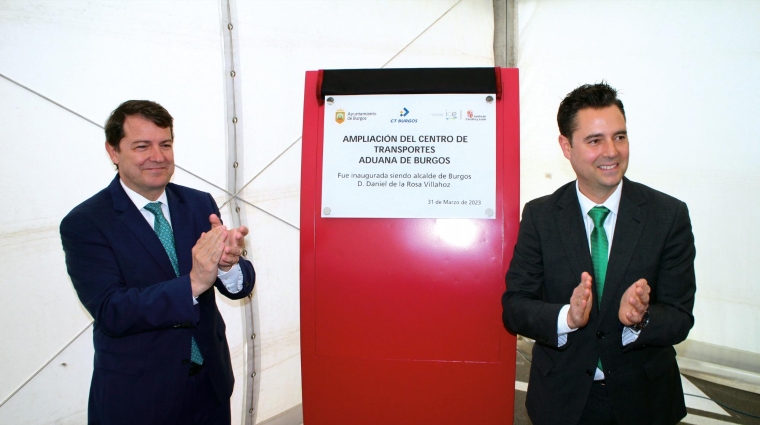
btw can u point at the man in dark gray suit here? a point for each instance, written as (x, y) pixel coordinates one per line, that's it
(602, 277)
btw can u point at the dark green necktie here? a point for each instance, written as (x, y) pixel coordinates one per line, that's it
(599, 248)
(164, 232)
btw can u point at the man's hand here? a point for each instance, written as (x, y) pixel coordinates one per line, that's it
(206, 255)
(580, 303)
(635, 303)
(233, 246)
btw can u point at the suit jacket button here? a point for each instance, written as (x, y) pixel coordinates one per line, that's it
(600, 335)
(185, 361)
(589, 373)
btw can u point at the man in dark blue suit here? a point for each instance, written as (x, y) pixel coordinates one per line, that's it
(602, 277)
(143, 255)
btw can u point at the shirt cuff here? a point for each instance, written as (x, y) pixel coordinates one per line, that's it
(629, 335)
(232, 279)
(562, 327)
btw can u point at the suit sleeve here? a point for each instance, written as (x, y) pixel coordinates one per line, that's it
(672, 298)
(246, 268)
(249, 279)
(120, 307)
(524, 310)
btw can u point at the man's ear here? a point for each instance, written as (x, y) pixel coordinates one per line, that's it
(564, 143)
(113, 154)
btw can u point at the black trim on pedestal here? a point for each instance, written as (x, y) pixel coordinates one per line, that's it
(408, 81)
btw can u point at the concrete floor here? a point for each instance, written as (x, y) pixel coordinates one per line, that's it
(700, 410)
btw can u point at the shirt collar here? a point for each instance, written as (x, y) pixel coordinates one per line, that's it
(139, 200)
(612, 203)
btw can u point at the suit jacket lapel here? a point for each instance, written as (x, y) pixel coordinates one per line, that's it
(572, 232)
(628, 228)
(133, 220)
(182, 225)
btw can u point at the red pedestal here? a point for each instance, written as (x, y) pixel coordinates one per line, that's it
(398, 327)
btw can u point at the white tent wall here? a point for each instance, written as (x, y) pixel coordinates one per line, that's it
(688, 73)
(66, 65)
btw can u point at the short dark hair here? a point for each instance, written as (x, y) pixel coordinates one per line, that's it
(151, 111)
(596, 96)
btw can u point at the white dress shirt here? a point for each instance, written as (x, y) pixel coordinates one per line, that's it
(232, 278)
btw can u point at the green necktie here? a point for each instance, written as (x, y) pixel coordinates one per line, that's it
(164, 232)
(599, 247)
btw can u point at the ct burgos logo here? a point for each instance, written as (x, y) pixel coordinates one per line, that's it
(402, 113)
(340, 116)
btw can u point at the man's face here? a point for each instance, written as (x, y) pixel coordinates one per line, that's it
(145, 156)
(599, 151)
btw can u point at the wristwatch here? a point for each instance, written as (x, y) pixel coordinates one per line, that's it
(642, 324)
